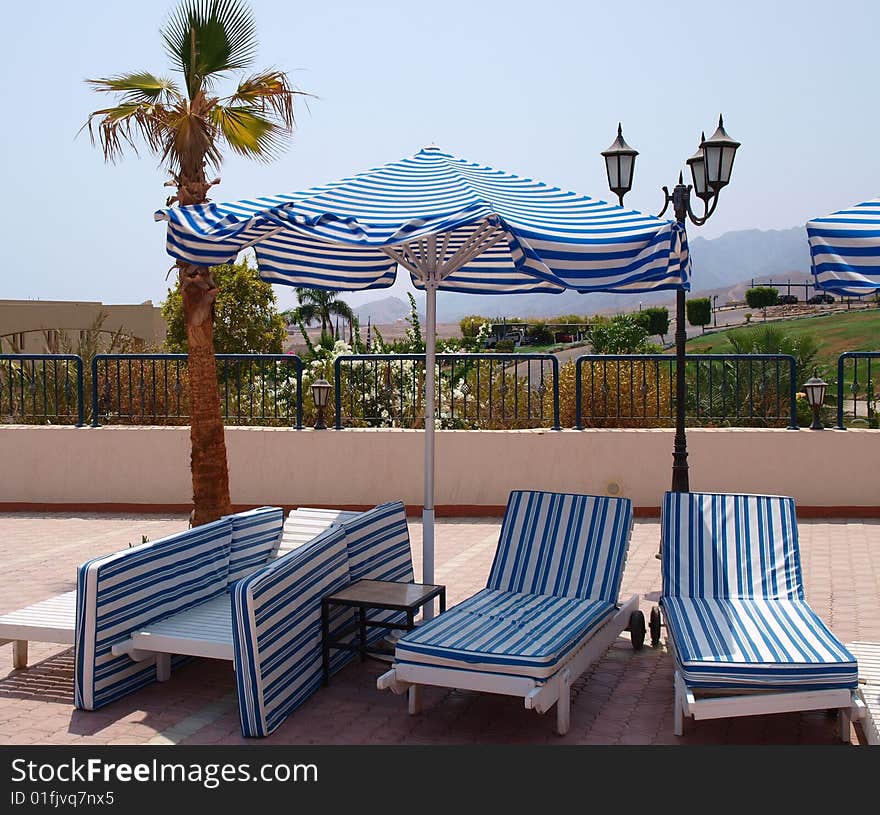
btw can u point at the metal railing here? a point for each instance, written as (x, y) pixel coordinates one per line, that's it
(478, 391)
(632, 390)
(474, 391)
(261, 389)
(856, 386)
(42, 388)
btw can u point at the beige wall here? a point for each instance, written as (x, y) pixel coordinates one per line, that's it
(150, 465)
(33, 318)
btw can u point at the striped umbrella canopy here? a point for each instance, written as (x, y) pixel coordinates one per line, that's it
(845, 250)
(454, 225)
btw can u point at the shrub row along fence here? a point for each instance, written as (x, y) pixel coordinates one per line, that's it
(474, 391)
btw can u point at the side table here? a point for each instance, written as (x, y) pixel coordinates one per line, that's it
(379, 595)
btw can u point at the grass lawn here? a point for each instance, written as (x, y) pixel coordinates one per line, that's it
(834, 333)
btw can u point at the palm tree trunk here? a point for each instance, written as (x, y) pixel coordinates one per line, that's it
(210, 476)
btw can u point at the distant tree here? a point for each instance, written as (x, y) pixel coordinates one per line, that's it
(539, 333)
(470, 325)
(246, 320)
(772, 339)
(655, 320)
(762, 297)
(623, 334)
(319, 305)
(699, 311)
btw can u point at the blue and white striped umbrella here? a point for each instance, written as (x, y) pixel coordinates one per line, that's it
(845, 250)
(454, 225)
(496, 233)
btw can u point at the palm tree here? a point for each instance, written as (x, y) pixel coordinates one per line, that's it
(187, 128)
(320, 304)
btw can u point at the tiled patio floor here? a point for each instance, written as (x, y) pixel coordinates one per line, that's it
(625, 699)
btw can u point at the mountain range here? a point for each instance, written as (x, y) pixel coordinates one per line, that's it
(724, 266)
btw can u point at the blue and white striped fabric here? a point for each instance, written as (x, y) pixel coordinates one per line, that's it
(845, 250)
(731, 546)
(505, 632)
(734, 601)
(255, 535)
(123, 592)
(378, 544)
(333, 236)
(276, 623)
(555, 579)
(379, 549)
(563, 545)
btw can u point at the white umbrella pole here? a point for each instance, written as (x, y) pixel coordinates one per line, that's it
(428, 507)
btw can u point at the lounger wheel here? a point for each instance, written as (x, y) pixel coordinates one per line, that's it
(655, 624)
(637, 630)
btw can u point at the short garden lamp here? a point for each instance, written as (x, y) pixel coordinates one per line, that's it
(814, 388)
(320, 396)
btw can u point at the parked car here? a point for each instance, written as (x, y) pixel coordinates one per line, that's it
(819, 299)
(786, 299)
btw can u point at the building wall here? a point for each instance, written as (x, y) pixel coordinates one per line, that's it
(26, 326)
(148, 467)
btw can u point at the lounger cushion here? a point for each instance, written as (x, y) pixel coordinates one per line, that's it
(505, 632)
(736, 546)
(121, 593)
(255, 535)
(561, 544)
(378, 545)
(276, 619)
(768, 644)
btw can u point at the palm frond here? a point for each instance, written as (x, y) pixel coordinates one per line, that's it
(122, 125)
(137, 88)
(341, 309)
(269, 89)
(248, 131)
(206, 37)
(306, 314)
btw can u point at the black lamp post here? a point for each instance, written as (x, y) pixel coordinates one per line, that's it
(320, 396)
(710, 167)
(815, 388)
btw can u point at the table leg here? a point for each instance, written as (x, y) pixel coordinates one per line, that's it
(442, 600)
(325, 643)
(363, 643)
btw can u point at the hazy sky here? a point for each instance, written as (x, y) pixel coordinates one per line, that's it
(535, 88)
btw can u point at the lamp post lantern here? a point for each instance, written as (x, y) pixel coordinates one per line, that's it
(815, 388)
(710, 168)
(320, 396)
(620, 163)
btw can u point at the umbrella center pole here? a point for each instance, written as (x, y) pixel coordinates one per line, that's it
(431, 283)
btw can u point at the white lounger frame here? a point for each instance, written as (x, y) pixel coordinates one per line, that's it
(191, 633)
(538, 694)
(725, 703)
(50, 620)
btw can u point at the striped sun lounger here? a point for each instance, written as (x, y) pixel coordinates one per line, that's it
(242, 589)
(744, 639)
(549, 610)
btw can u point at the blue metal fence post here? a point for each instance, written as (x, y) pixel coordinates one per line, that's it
(80, 398)
(578, 393)
(792, 365)
(555, 363)
(840, 361)
(299, 393)
(95, 422)
(337, 391)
